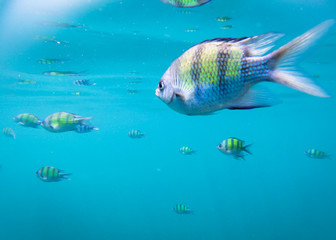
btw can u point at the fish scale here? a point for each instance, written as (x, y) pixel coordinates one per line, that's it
(216, 71)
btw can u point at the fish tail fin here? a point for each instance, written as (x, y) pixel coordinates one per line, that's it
(66, 175)
(284, 57)
(245, 148)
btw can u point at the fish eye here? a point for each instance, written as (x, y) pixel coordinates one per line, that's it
(161, 85)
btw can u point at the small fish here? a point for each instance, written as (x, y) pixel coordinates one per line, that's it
(62, 73)
(60, 24)
(191, 30)
(49, 39)
(49, 61)
(223, 19)
(135, 82)
(63, 122)
(51, 174)
(234, 146)
(314, 153)
(226, 27)
(25, 81)
(27, 120)
(7, 131)
(132, 91)
(186, 150)
(219, 73)
(77, 93)
(84, 128)
(135, 134)
(182, 209)
(185, 11)
(185, 3)
(83, 82)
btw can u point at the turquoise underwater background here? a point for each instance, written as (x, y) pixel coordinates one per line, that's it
(124, 188)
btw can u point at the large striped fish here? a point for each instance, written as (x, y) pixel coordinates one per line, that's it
(62, 122)
(219, 73)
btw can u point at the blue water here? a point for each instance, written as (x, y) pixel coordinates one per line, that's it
(124, 188)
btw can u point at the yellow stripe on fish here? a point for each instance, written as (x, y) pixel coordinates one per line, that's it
(233, 64)
(209, 66)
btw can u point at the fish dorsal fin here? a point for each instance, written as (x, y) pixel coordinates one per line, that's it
(224, 40)
(259, 45)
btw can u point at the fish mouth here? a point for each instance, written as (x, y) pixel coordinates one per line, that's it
(158, 92)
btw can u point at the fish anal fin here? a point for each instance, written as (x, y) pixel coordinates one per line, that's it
(254, 98)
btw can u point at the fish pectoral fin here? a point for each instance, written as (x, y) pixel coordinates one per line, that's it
(20, 123)
(180, 96)
(254, 98)
(54, 125)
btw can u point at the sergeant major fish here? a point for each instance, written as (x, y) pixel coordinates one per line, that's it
(182, 209)
(7, 131)
(62, 73)
(186, 150)
(83, 82)
(233, 146)
(134, 133)
(315, 153)
(63, 122)
(27, 120)
(51, 174)
(84, 128)
(186, 3)
(49, 61)
(218, 74)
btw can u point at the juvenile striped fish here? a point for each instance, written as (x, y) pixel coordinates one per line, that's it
(7, 131)
(186, 3)
(63, 122)
(61, 73)
(223, 19)
(134, 133)
(27, 120)
(48, 61)
(315, 153)
(84, 128)
(234, 146)
(186, 150)
(182, 209)
(51, 174)
(219, 73)
(83, 82)
(50, 39)
(25, 81)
